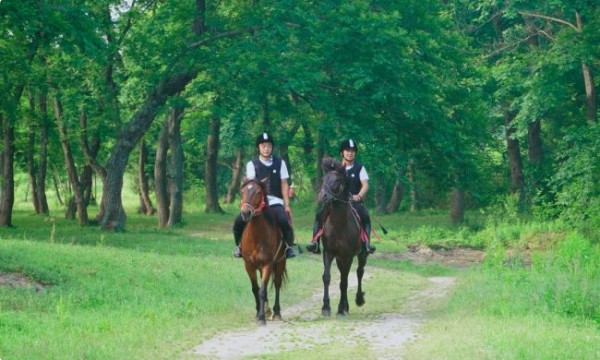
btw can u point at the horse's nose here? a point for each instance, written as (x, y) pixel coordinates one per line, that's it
(246, 215)
(324, 196)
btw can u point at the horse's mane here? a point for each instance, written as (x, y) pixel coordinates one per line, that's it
(329, 164)
(260, 183)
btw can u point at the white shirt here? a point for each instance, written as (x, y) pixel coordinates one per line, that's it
(283, 172)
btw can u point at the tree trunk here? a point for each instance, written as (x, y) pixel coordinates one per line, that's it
(590, 93)
(31, 168)
(145, 201)
(588, 79)
(396, 198)
(319, 159)
(71, 211)
(457, 210)
(514, 158)
(175, 168)
(160, 175)
(57, 186)
(284, 145)
(37, 172)
(536, 153)
(112, 215)
(212, 152)
(236, 177)
(7, 197)
(380, 196)
(43, 160)
(70, 163)
(414, 196)
(7, 188)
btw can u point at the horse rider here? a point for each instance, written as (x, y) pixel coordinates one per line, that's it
(358, 182)
(265, 165)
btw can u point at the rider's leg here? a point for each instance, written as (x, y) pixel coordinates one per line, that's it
(238, 229)
(287, 230)
(366, 222)
(313, 247)
(370, 248)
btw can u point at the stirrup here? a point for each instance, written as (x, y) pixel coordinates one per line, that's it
(289, 253)
(313, 247)
(237, 252)
(370, 248)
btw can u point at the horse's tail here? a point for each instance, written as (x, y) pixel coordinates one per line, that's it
(280, 258)
(284, 278)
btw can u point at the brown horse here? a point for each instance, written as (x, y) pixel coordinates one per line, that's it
(341, 235)
(262, 247)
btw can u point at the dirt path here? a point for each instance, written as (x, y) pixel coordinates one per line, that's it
(388, 333)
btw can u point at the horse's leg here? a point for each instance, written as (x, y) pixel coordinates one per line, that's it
(254, 282)
(278, 280)
(360, 271)
(262, 295)
(266, 306)
(326, 309)
(344, 268)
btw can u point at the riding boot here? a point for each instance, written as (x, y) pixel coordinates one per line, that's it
(313, 247)
(288, 237)
(367, 245)
(237, 252)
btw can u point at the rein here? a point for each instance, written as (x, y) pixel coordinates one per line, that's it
(334, 197)
(255, 211)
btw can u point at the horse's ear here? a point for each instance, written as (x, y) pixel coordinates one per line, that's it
(329, 163)
(243, 183)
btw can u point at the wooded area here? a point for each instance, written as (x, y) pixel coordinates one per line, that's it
(454, 104)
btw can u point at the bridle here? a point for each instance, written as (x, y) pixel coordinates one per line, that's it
(254, 211)
(331, 196)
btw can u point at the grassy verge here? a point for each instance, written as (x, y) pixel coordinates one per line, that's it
(150, 293)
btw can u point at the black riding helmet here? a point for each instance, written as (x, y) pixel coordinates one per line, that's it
(263, 138)
(349, 144)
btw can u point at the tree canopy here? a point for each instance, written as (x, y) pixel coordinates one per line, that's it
(479, 99)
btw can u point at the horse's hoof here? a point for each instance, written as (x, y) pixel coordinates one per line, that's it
(276, 317)
(360, 300)
(262, 322)
(343, 313)
(326, 313)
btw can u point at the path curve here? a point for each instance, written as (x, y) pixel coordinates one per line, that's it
(387, 333)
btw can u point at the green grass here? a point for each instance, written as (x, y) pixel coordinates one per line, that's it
(476, 336)
(150, 293)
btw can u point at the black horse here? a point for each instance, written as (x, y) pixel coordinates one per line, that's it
(341, 235)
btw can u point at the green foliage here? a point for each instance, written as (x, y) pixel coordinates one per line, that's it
(576, 182)
(568, 280)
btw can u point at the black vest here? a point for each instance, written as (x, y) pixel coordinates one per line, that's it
(272, 172)
(353, 175)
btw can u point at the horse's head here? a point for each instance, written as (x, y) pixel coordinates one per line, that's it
(334, 185)
(253, 199)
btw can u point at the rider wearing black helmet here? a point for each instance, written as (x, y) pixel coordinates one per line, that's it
(359, 185)
(263, 166)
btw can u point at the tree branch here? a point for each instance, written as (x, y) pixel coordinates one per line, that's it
(550, 18)
(512, 45)
(224, 35)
